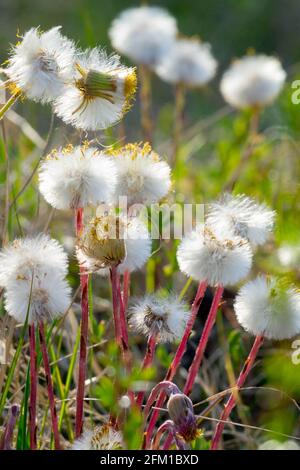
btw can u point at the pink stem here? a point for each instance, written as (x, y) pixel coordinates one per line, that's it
(165, 387)
(6, 439)
(126, 289)
(148, 359)
(122, 318)
(178, 356)
(49, 385)
(194, 368)
(168, 440)
(167, 426)
(231, 402)
(115, 302)
(84, 326)
(33, 388)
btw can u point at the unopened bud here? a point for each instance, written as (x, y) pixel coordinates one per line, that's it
(181, 412)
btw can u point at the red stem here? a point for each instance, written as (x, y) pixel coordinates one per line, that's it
(231, 402)
(126, 289)
(33, 388)
(115, 302)
(178, 356)
(168, 441)
(6, 439)
(122, 318)
(167, 426)
(49, 385)
(194, 368)
(148, 359)
(84, 327)
(165, 387)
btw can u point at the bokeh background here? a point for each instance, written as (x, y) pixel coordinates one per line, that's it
(212, 143)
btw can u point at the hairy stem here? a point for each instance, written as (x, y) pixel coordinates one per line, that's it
(148, 359)
(122, 317)
(115, 303)
(33, 388)
(178, 356)
(167, 426)
(231, 402)
(84, 326)
(6, 438)
(194, 368)
(49, 385)
(126, 289)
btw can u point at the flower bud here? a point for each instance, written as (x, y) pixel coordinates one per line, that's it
(181, 412)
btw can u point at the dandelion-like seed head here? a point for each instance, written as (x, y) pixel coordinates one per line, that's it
(112, 240)
(219, 260)
(243, 217)
(181, 412)
(253, 81)
(141, 175)
(41, 63)
(164, 318)
(269, 306)
(76, 177)
(33, 274)
(103, 240)
(102, 438)
(272, 444)
(143, 33)
(100, 93)
(189, 62)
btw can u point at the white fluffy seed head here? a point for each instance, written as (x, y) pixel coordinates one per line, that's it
(141, 175)
(216, 259)
(188, 61)
(267, 306)
(143, 33)
(41, 63)
(241, 216)
(163, 317)
(277, 445)
(33, 270)
(102, 438)
(112, 240)
(253, 81)
(76, 177)
(99, 94)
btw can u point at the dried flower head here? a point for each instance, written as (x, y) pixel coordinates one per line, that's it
(112, 240)
(33, 270)
(141, 175)
(243, 217)
(100, 93)
(102, 438)
(76, 177)
(181, 412)
(188, 61)
(216, 259)
(253, 81)
(268, 306)
(164, 318)
(143, 33)
(41, 63)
